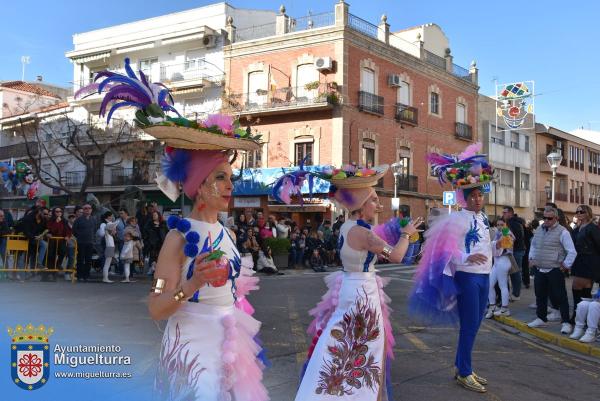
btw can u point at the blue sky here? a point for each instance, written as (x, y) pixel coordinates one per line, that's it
(553, 43)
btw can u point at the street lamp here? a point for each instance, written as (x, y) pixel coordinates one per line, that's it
(397, 169)
(554, 159)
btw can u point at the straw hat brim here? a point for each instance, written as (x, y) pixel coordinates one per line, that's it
(361, 182)
(475, 185)
(194, 139)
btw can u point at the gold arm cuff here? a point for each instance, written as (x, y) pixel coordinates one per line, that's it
(179, 295)
(158, 285)
(387, 251)
(405, 235)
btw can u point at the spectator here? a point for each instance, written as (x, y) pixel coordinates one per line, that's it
(107, 217)
(325, 228)
(142, 216)
(119, 237)
(295, 251)
(266, 231)
(283, 228)
(71, 244)
(260, 220)
(8, 218)
(78, 212)
(517, 228)
(110, 231)
(334, 255)
(586, 268)
(251, 244)
(265, 263)
(341, 219)
(499, 273)
(57, 248)
(84, 228)
(316, 262)
(4, 231)
(34, 228)
(526, 274)
(552, 252)
(242, 224)
(154, 234)
(588, 314)
(133, 229)
(301, 241)
(250, 220)
(126, 255)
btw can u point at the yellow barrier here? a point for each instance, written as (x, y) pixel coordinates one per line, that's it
(17, 246)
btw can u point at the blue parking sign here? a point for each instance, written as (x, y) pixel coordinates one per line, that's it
(486, 188)
(449, 198)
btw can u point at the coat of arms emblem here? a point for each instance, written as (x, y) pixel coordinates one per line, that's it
(30, 355)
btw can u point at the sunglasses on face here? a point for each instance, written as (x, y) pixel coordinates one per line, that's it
(548, 218)
(579, 212)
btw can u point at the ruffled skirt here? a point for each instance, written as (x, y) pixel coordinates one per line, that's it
(352, 348)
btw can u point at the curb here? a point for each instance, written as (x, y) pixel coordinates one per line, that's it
(552, 338)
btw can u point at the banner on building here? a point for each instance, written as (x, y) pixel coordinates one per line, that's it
(515, 106)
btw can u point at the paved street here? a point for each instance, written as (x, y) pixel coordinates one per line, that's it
(518, 368)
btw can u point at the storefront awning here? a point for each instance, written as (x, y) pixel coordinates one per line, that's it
(260, 181)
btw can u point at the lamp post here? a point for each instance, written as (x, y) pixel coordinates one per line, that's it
(554, 159)
(397, 168)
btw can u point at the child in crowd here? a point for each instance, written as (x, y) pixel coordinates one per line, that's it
(316, 262)
(110, 230)
(127, 255)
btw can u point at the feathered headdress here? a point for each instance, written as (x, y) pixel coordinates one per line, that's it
(291, 184)
(466, 170)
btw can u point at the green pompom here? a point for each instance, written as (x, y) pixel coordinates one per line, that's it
(505, 231)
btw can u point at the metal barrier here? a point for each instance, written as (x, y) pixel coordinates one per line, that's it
(18, 251)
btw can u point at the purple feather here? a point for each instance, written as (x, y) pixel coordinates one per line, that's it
(145, 81)
(125, 93)
(119, 105)
(87, 90)
(124, 80)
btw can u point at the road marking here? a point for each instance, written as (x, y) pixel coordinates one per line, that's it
(298, 333)
(417, 342)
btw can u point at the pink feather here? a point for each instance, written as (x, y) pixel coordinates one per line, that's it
(471, 150)
(435, 158)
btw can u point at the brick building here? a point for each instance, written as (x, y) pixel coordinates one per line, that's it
(340, 89)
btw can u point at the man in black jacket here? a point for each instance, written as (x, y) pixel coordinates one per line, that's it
(517, 227)
(34, 229)
(84, 230)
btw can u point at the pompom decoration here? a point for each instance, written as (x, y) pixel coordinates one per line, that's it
(192, 237)
(183, 226)
(175, 165)
(190, 250)
(172, 221)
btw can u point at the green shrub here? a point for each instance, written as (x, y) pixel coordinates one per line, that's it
(279, 246)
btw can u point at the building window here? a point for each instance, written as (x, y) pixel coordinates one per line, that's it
(525, 181)
(194, 59)
(404, 93)
(367, 80)
(149, 68)
(434, 103)
(497, 136)
(461, 113)
(526, 145)
(514, 139)
(257, 88)
(506, 178)
(306, 73)
(252, 159)
(303, 150)
(368, 153)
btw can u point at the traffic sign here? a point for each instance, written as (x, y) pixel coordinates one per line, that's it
(449, 198)
(486, 188)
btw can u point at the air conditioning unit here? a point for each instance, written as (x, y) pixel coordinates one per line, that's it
(209, 41)
(323, 63)
(394, 80)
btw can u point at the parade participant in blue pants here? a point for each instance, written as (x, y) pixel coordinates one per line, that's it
(452, 281)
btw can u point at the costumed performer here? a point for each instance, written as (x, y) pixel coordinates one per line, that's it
(209, 351)
(452, 280)
(352, 346)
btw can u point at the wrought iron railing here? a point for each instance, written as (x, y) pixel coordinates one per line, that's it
(370, 102)
(76, 178)
(195, 69)
(407, 114)
(407, 183)
(143, 174)
(461, 72)
(464, 131)
(362, 26)
(262, 100)
(435, 60)
(311, 22)
(255, 32)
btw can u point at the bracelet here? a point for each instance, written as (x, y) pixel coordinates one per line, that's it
(179, 295)
(405, 235)
(158, 286)
(387, 251)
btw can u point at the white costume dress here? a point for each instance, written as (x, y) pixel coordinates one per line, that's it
(209, 352)
(352, 335)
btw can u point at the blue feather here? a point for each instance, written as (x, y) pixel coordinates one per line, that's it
(174, 165)
(145, 81)
(122, 79)
(129, 70)
(170, 108)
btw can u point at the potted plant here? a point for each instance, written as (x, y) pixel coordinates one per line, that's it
(281, 249)
(312, 85)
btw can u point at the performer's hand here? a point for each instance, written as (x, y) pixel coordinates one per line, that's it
(477, 258)
(204, 272)
(411, 228)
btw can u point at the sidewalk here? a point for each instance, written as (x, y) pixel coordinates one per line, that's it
(521, 314)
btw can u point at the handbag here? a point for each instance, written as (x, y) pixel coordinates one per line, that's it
(514, 267)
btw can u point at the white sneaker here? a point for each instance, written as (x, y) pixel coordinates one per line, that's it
(554, 316)
(502, 312)
(577, 333)
(566, 328)
(532, 306)
(491, 312)
(107, 281)
(537, 323)
(589, 336)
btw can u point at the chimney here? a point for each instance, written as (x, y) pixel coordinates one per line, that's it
(39, 78)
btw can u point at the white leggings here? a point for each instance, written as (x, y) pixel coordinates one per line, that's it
(499, 274)
(587, 313)
(107, 262)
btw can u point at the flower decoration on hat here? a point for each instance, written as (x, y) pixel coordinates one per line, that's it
(353, 176)
(469, 169)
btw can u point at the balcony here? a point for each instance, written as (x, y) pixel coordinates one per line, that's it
(544, 197)
(370, 103)
(464, 131)
(195, 72)
(140, 175)
(76, 178)
(407, 114)
(284, 100)
(407, 183)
